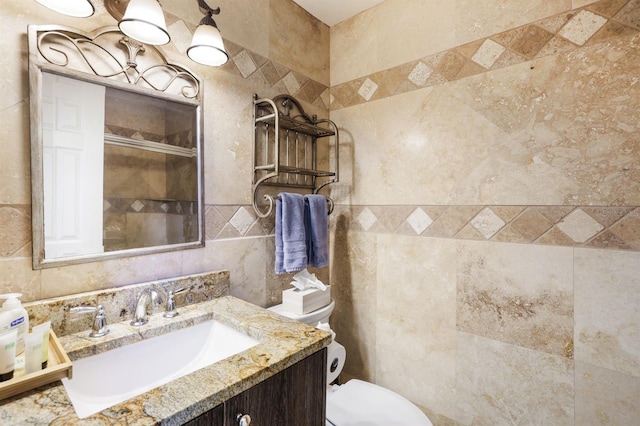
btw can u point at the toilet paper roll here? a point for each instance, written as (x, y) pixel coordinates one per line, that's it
(336, 356)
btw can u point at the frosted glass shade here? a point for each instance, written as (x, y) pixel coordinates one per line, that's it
(207, 47)
(75, 8)
(144, 21)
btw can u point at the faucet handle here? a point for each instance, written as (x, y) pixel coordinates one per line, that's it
(99, 328)
(170, 310)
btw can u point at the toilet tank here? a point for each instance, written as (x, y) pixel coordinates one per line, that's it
(312, 318)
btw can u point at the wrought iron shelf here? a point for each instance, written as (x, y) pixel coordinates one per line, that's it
(285, 150)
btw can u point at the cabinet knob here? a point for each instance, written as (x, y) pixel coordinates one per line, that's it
(243, 419)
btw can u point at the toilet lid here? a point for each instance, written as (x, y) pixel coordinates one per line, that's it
(365, 404)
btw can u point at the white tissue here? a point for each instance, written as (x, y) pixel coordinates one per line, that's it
(305, 280)
(325, 327)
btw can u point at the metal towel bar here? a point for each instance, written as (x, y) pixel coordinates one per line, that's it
(271, 200)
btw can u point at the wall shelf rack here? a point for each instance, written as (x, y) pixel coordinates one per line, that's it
(289, 147)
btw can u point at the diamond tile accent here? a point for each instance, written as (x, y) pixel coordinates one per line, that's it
(487, 223)
(179, 207)
(488, 53)
(291, 83)
(327, 98)
(105, 205)
(242, 220)
(164, 207)
(366, 219)
(582, 27)
(420, 74)
(137, 205)
(367, 89)
(245, 63)
(579, 226)
(419, 220)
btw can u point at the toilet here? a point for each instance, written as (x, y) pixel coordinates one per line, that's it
(357, 402)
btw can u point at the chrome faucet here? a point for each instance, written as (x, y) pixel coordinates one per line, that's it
(170, 308)
(99, 328)
(149, 297)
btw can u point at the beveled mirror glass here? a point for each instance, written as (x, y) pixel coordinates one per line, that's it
(116, 148)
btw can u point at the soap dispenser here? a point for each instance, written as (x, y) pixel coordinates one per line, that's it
(14, 317)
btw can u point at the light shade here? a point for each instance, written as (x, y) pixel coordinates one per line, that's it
(144, 21)
(75, 8)
(207, 47)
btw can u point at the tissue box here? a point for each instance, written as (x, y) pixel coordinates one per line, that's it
(304, 301)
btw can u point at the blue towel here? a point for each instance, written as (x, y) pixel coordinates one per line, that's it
(291, 247)
(316, 221)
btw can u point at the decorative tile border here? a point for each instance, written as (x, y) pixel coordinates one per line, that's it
(250, 65)
(561, 33)
(142, 205)
(616, 228)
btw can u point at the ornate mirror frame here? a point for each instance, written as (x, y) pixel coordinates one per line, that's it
(108, 58)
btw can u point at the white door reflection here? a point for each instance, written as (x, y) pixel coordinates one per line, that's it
(73, 161)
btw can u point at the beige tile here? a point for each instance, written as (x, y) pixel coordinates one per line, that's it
(16, 154)
(497, 384)
(628, 229)
(353, 280)
(244, 22)
(610, 30)
(355, 330)
(530, 224)
(15, 229)
(353, 267)
(298, 40)
(576, 4)
(17, 276)
(579, 226)
(452, 221)
(607, 324)
(487, 222)
(607, 240)
(531, 41)
(556, 45)
(582, 26)
(418, 29)
(475, 20)
(510, 235)
(554, 23)
(630, 14)
(518, 294)
(416, 279)
(605, 397)
(451, 64)
(488, 53)
(607, 8)
(353, 48)
(424, 371)
(556, 237)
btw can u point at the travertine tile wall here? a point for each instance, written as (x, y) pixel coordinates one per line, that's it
(485, 240)
(485, 246)
(271, 52)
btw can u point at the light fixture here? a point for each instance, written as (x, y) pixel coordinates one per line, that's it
(75, 8)
(143, 20)
(207, 47)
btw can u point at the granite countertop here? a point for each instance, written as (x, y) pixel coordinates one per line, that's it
(283, 342)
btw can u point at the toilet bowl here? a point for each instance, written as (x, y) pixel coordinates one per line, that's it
(357, 402)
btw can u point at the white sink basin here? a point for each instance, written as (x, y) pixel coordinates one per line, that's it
(103, 380)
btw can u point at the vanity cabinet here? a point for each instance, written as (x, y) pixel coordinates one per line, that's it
(294, 397)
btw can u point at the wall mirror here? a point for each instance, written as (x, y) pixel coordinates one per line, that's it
(116, 148)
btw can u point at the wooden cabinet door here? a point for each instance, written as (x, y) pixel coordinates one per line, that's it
(213, 417)
(294, 397)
